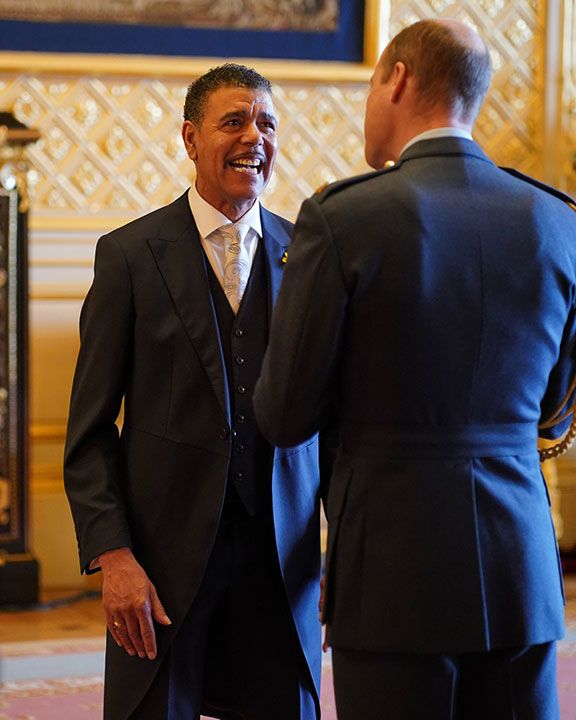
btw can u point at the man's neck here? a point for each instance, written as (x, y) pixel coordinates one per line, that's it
(417, 125)
(233, 211)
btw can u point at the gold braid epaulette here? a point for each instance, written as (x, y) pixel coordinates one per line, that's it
(558, 416)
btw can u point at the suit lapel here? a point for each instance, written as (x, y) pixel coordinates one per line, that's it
(181, 262)
(276, 241)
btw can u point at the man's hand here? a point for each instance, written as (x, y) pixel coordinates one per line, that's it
(131, 603)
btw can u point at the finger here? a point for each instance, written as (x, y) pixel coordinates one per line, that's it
(147, 633)
(158, 612)
(113, 626)
(122, 633)
(133, 630)
(325, 645)
(112, 630)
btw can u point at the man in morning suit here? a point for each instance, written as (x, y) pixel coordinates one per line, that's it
(435, 300)
(207, 536)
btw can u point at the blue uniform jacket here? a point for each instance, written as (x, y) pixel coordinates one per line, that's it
(435, 302)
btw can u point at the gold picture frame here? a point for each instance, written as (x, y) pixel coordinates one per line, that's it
(376, 16)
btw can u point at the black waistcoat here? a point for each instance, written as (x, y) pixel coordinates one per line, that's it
(244, 337)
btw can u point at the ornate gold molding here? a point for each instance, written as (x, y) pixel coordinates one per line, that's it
(46, 479)
(58, 291)
(48, 432)
(375, 29)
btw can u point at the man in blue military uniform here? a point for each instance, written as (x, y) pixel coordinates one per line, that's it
(436, 302)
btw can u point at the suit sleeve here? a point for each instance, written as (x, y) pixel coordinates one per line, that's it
(296, 384)
(93, 465)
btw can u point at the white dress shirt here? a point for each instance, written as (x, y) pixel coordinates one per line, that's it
(209, 220)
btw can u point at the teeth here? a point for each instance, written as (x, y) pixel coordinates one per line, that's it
(247, 162)
(246, 165)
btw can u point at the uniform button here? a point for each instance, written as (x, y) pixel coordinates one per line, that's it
(239, 448)
(239, 360)
(224, 434)
(241, 389)
(240, 418)
(238, 332)
(239, 476)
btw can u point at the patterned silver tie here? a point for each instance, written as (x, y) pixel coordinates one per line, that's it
(236, 264)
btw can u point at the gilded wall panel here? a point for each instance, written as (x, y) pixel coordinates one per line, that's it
(510, 125)
(111, 146)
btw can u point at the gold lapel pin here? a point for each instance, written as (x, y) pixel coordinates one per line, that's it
(285, 257)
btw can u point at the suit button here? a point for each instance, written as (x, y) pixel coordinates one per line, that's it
(239, 360)
(224, 434)
(240, 448)
(238, 332)
(240, 418)
(241, 389)
(239, 477)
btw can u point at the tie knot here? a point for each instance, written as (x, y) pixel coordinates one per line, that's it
(234, 232)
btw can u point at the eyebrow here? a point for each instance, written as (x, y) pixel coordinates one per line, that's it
(242, 114)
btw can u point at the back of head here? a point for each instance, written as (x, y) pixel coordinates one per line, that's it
(450, 62)
(227, 75)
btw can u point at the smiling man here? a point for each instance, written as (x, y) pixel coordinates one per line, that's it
(210, 559)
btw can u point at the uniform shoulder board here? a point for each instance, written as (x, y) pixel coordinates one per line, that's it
(327, 189)
(542, 186)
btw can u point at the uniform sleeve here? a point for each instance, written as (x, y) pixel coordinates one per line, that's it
(557, 405)
(93, 464)
(296, 383)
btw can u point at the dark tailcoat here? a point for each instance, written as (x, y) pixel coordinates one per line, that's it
(149, 337)
(436, 300)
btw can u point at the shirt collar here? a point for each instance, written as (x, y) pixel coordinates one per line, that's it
(438, 133)
(208, 219)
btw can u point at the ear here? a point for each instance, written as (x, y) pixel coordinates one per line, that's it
(399, 80)
(189, 138)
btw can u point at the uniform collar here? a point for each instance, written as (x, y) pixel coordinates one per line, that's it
(438, 133)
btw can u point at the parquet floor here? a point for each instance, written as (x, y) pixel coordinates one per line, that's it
(84, 618)
(80, 619)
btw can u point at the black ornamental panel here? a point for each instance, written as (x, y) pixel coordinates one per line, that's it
(18, 569)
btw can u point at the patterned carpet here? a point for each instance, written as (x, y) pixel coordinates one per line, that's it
(63, 680)
(57, 680)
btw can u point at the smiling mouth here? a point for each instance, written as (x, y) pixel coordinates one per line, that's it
(250, 166)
